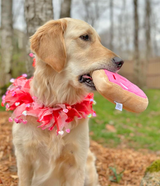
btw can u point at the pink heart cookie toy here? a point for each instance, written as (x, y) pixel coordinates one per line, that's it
(119, 90)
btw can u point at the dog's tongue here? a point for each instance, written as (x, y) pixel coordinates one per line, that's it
(116, 88)
(87, 77)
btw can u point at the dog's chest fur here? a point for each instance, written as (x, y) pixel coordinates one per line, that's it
(51, 155)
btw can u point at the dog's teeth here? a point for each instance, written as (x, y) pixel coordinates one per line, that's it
(81, 79)
(87, 79)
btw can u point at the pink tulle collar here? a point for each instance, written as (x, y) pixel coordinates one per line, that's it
(19, 100)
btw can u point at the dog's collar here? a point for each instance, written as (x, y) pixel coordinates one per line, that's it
(19, 99)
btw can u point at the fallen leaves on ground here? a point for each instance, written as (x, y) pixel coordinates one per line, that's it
(133, 163)
(8, 170)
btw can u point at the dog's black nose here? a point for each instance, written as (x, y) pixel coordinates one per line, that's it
(118, 62)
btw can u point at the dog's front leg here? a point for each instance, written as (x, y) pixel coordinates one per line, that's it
(77, 179)
(72, 166)
(24, 171)
(75, 154)
(91, 177)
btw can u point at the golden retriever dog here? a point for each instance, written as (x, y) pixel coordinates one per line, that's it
(67, 52)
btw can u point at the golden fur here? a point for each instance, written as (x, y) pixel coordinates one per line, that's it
(44, 159)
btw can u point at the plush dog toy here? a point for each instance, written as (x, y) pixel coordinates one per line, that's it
(119, 90)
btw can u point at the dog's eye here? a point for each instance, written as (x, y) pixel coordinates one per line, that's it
(85, 37)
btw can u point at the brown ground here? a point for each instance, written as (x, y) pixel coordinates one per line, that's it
(132, 162)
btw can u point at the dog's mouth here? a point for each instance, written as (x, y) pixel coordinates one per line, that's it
(87, 80)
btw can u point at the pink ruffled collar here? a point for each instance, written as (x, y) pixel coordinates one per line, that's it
(19, 100)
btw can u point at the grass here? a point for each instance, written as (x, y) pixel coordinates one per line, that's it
(136, 131)
(116, 176)
(1, 108)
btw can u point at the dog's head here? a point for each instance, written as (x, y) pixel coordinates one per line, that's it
(73, 46)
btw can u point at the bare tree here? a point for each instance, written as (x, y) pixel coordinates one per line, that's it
(93, 10)
(155, 30)
(111, 25)
(148, 51)
(148, 27)
(127, 27)
(120, 30)
(6, 41)
(66, 8)
(137, 67)
(89, 15)
(37, 12)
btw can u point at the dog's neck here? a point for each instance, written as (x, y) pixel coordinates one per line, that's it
(52, 88)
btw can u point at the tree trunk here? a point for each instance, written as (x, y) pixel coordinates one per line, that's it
(155, 30)
(121, 21)
(111, 26)
(65, 8)
(137, 67)
(6, 41)
(148, 51)
(89, 14)
(148, 27)
(37, 12)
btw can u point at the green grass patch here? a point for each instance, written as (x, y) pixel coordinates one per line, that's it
(1, 108)
(132, 130)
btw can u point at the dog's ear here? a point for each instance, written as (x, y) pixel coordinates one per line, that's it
(48, 44)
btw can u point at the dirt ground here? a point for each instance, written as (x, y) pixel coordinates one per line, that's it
(133, 163)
